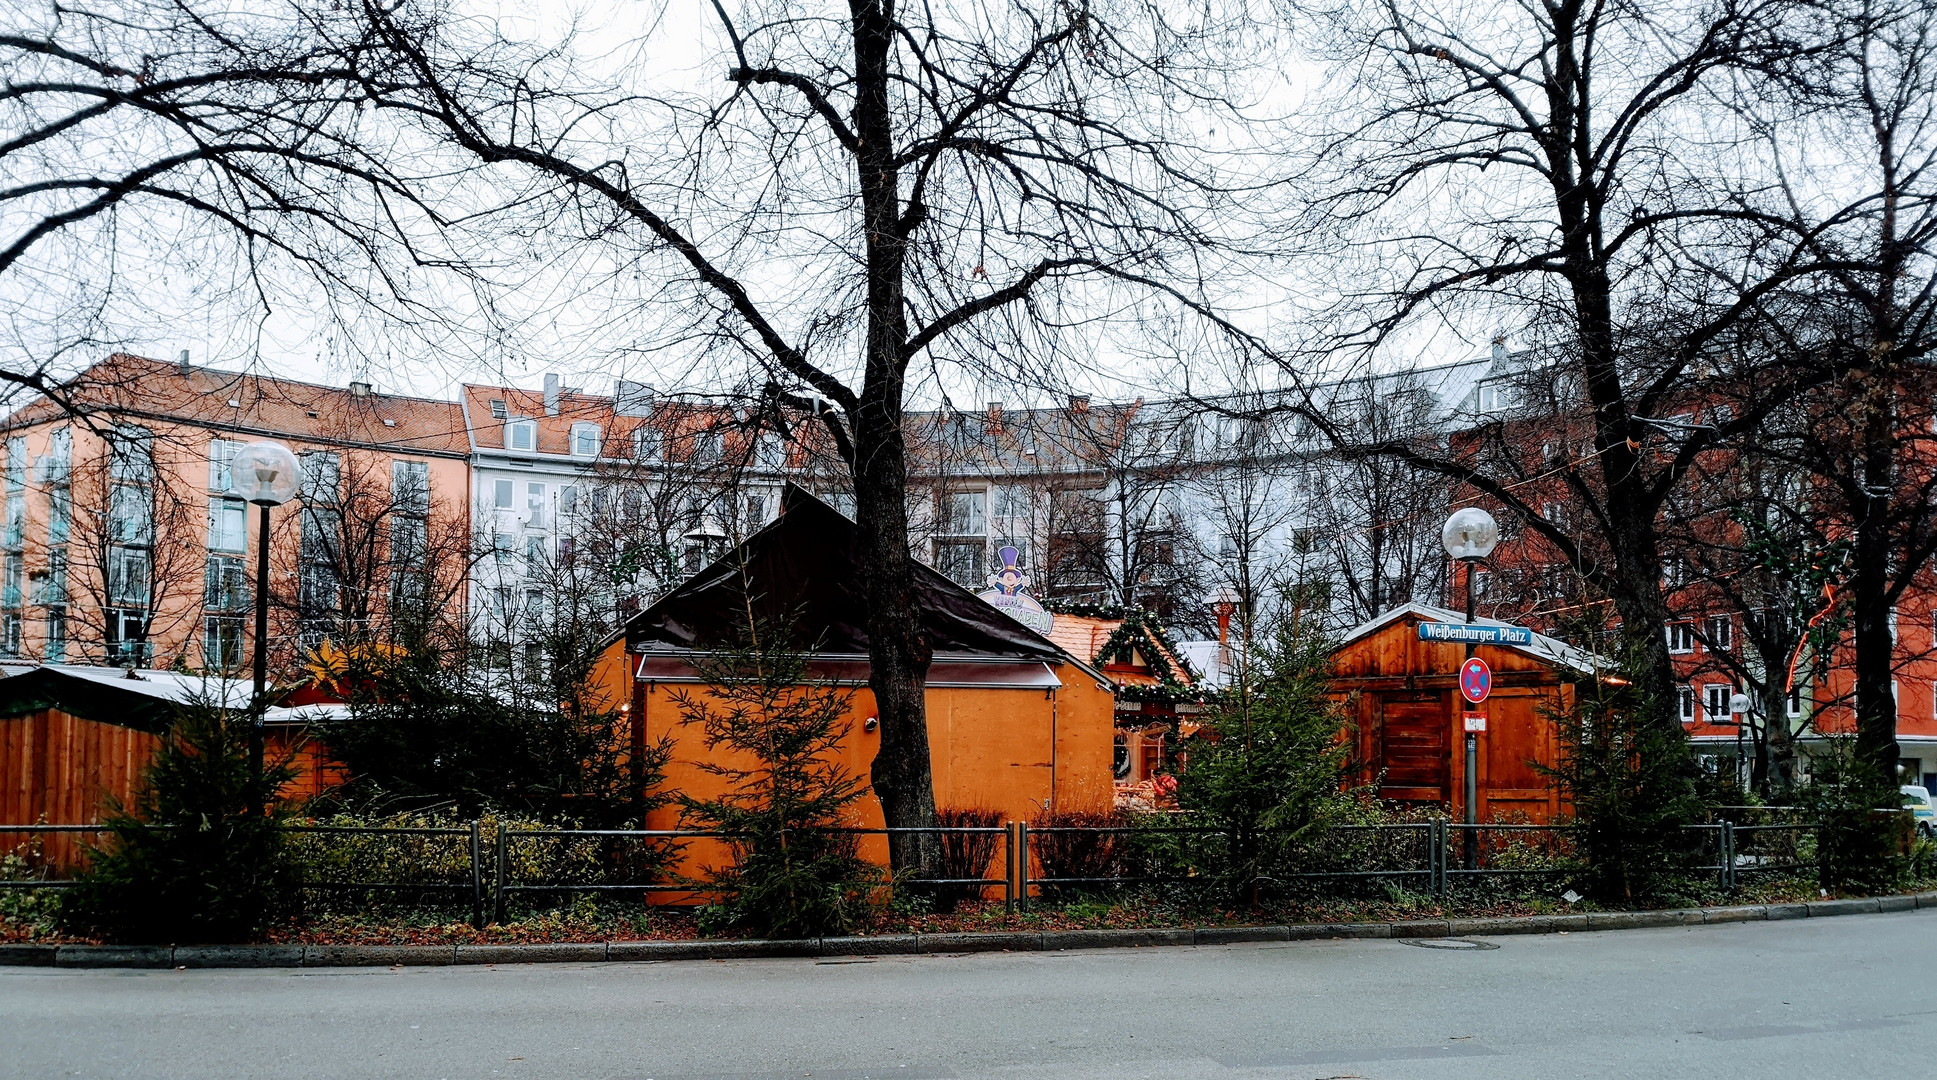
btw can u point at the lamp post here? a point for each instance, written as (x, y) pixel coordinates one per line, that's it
(1470, 535)
(265, 474)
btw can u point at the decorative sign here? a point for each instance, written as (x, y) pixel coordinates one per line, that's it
(1008, 593)
(1475, 680)
(1475, 721)
(1474, 634)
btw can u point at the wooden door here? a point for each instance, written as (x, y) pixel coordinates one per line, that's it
(1517, 742)
(1413, 750)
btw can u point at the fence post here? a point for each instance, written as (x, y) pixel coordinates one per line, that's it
(1018, 886)
(1728, 855)
(477, 877)
(497, 893)
(1436, 855)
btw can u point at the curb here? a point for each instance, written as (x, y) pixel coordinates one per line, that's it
(314, 956)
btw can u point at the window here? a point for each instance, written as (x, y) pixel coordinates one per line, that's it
(520, 435)
(647, 445)
(1715, 702)
(1010, 501)
(222, 642)
(599, 500)
(961, 561)
(1493, 397)
(756, 511)
(1721, 416)
(1552, 513)
(1720, 633)
(1795, 702)
(1674, 573)
(128, 577)
(1681, 637)
(1482, 583)
(535, 506)
(56, 634)
(708, 446)
(770, 451)
(961, 514)
(534, 555)
(410, 486)
(16, 531)
(585, 440)
(128, 637)
(131, 455)
(1893, 626)
(568, 499)
(11, 579)
(60, 514)
(50, 585)
(16, 463)
(228, 521)
(10, 625)
(128, 515)
(501, 494)
(60, 451)
(221, 452)
(499, 411)
(225, 588)
(1687, 695)
(322, 477)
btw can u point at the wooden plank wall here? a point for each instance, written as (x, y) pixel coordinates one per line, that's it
(59, 769)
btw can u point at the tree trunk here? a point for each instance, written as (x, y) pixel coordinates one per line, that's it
(1876, 707)
(898, 651)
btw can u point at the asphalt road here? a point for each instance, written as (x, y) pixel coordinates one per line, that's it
(1822, 998)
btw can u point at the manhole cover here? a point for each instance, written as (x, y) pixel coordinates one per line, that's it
(1448, 943)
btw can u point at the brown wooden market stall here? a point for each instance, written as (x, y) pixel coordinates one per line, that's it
(1403, 699)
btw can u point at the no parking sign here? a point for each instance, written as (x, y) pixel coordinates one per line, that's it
(1475, 680)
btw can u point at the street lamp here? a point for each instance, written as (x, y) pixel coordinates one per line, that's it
(1470, 535)
(266, 474)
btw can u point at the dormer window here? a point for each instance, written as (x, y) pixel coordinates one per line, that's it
(1493, 397)
(646, 444)
(585, 440)
(520, 435)
(499, 411)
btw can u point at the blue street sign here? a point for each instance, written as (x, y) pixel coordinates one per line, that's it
(1474, 634)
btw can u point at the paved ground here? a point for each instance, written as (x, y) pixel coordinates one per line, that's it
(1820, 998)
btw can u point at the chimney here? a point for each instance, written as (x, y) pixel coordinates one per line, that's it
(359, 389)
(1499, 347)
(551, 395)
(1079, 403)
(995, 416)
(186, 367)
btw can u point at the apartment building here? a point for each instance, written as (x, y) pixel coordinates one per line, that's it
(121, 545)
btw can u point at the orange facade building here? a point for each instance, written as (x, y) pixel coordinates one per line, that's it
(1015, 723)
(120, 545)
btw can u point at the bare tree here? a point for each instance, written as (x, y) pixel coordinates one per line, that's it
(154, 150)
(1550, 164)
(942, 176)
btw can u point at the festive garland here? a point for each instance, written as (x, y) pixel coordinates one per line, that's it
(1139, 630)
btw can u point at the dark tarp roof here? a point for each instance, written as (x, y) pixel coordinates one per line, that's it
(807, 567)
(108, 696)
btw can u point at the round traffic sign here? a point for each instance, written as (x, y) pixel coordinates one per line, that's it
(1475, 680)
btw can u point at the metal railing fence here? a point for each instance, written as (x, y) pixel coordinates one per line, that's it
(1044, 860)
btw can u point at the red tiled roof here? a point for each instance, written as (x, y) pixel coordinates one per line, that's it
(136, 387)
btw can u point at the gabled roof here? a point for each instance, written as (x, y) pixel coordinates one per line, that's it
(1543, 648)
(807, 569)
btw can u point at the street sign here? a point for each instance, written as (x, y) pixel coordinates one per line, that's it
(1475, 680)
(1475, 721)
(1474, 634)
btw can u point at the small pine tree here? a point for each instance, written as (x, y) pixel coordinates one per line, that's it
(1857, 847)
(1627, 783)
(790, 876)
(1266, 772)
(196, 858)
